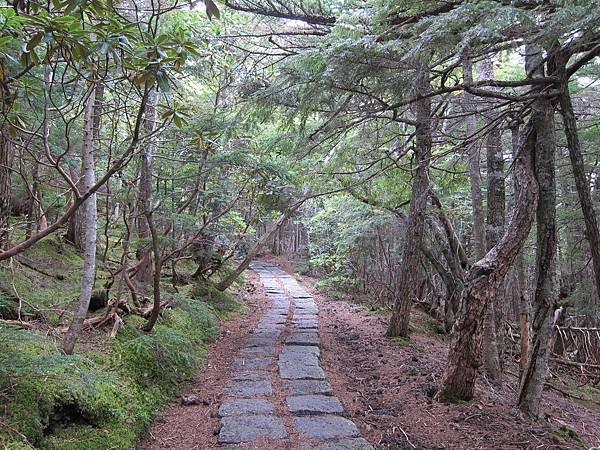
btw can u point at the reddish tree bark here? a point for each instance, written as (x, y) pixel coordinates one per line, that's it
(486, 276)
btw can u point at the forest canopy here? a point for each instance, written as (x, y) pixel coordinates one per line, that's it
(439, 155)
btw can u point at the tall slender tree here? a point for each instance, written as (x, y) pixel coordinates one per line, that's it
(411, 254)
(90, 219)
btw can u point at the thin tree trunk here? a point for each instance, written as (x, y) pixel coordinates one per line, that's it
(75, 227)
(518, 269)
(495, 228)
(144, 273)
(6, 161)
(90, 226)
(545, 297)
(411, 254)
(479, 246)
(581, 180)
(157, 270)
(486, 276)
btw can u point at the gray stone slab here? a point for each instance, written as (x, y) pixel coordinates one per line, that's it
(253, 352)
(243, 407)
(306, 313)
(325, 427)
(252, 363)
(308, 387)
(249, 428)
(303, 338)
(251, 375)
(267, 321)
(300, 372)
(302, 405)
(302, 323)
(244, 447)
(280, 302)
(249, 388)
(307, 354)
(274, 333)
(270, 328)
(261, 341)
(301, 348)
(344, 444)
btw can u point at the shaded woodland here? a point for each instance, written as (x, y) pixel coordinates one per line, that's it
(431, 155)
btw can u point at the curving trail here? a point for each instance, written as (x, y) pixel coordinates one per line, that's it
(279, 397)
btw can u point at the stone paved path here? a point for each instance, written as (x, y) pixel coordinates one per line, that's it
(278, 398)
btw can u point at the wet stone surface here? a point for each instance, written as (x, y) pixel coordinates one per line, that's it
(297, 391)
(253, 352)
(303, 338)
(299, 371)
(251, 375)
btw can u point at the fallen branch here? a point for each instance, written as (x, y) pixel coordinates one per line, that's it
(15, 432)
(31, 266)
(570, 395)
(22, 324)
(576, 364)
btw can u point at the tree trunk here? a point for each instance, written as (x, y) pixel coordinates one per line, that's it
(90, 225)
(144, 200)
(486, 276)
(411, 254)
(518, 269)
(6, 160)
(495, 228)
(545, 297)
(479, 246)
(75, 227)
(156, 278)
(581, 180)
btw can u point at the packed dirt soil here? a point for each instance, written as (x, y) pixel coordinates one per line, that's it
(387, 388)
(187, 427)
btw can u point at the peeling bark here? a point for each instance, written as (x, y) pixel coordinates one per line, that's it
(545, 297)
(486, 276)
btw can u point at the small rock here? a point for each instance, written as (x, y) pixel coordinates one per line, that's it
(188, 400)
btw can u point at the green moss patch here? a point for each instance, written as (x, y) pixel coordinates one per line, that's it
(107, 397)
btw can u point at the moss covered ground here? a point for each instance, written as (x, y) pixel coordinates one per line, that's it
(105, 396)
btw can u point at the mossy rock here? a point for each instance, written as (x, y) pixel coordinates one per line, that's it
(567, 435)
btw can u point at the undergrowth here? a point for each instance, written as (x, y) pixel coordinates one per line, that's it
(107, 395)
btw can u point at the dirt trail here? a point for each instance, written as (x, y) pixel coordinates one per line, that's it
(385, 387)
(273, 395)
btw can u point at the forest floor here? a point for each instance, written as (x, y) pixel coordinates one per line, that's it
(386, 387)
